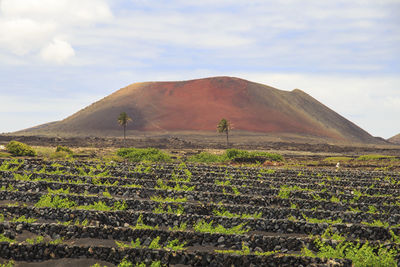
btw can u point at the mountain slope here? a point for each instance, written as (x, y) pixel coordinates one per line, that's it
(395, 139)
(198, 105)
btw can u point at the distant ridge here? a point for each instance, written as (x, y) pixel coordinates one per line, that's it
(395, 139)
(198, 105)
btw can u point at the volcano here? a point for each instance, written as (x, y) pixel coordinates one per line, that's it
(198, 105)
(395, 139)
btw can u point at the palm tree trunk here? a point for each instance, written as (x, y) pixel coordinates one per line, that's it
(227, 138)
(124, 135)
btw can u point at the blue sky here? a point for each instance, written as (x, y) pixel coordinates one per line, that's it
(56, 57)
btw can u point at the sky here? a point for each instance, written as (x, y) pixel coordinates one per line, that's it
(56, 57)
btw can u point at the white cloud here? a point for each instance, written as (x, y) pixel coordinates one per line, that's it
(61, 11)
(57, 51)
(32, 26)
(22, 35)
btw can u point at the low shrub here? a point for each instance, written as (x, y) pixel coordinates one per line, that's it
(206, 157)
(20, 149)
(233, 153)
(236, 153)
(64, 149)
(374, 157)
(143, 154)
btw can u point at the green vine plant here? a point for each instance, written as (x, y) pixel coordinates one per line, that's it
(17, 204)
(160, 210)
(246, 251)
(60, 191)
(6, 239)
(377, 223)
(285, 190)
(235, 190)
(22, 177)
(97, 181)
(372, 209)
(126, 263)
(56, 241)
(23, 219)
(335, 199)
(36, 240)
(133, 244)
(317, 197)
(328, 234)
(204, 227)
(316, 220)
(181, 227)
(178, 187)
(143, 168)
(224, 213)
(395, 238)
(10, 188)
(356, 209)
(365, 255)
(140, 225)
(132, 186)
(7, 165)
(176, 178)
(102, 206)
(222, 183)
(168, 199)
(85, 222)
(106, 194)
(55, 201)
(175, 245)
(357, 195)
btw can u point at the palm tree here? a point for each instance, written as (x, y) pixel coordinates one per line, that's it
(123, 120)
(224, 126)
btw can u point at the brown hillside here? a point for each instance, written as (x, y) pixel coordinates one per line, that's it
(198, 105)
(395, 139)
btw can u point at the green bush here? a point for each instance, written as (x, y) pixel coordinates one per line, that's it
(231, 154)
(236, 153)
(205, 157)
(374, 157)
(64, 149)
(20, 149)
(143, 154)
